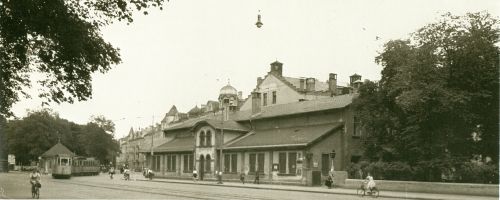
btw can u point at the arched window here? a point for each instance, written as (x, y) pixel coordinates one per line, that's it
(207, 163)
(208, 138)
(202, 138)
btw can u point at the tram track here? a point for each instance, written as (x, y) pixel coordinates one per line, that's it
(167, 191)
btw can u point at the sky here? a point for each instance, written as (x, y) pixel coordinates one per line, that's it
(182, 55)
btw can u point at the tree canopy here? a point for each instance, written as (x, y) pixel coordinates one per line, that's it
(437, 103)
(61, 40)
(31, 136)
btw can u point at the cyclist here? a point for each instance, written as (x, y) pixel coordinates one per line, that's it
(35, 178)
(370, 183)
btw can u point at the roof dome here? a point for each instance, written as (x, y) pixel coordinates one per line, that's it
(228, 89)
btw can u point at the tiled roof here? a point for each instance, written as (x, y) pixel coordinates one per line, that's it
(56, 150)
(330, 103)
(281, 137)
(178, 144)
(335, 102)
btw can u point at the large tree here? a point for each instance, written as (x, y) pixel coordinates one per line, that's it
(61, 40)
(31, 136)
(437, 101)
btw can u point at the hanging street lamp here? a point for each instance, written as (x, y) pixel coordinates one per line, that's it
(259, 23)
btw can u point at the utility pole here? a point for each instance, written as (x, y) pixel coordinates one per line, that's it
(152, 136)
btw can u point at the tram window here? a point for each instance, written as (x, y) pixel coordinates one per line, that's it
(64, 162)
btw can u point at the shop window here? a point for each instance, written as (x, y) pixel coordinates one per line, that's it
(230, 163)
(188, 163)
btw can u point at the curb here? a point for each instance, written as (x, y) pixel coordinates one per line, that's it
(284, 189)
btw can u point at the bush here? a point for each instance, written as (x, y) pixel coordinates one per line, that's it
(423, 171)
(477, 173)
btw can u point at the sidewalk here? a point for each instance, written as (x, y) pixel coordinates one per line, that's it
(390, 194)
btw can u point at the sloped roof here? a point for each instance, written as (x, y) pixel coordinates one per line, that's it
(178, 144)
(56, 150)
(329, 103)
(195, 110)
(228, 125)
(283, 137)
(172, 111)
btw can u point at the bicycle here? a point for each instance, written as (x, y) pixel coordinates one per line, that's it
(364, 191)
(35, 190)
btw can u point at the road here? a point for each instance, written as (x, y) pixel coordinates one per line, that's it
(15, 185)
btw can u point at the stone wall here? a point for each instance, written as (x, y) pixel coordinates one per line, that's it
(430, 187)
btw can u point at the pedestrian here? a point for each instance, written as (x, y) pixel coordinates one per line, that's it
(219, 177)
(195, 175)
(331, 176)
(111, 172)
(242, 177)
(256, 181)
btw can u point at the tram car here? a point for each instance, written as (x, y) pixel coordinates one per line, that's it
(83, 166)
(61, 166)
(65, 166)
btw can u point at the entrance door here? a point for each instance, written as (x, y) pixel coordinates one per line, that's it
(202, 167)
(325, 164)
(292, 162)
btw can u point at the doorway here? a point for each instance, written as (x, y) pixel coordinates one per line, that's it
(202, 167)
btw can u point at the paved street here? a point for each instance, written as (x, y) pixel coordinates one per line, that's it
(15, 185)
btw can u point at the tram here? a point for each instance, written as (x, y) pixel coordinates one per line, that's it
(65, 166)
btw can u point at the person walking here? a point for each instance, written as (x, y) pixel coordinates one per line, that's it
(242, 177)
(195, 175)
(257, 177)
(330, 177)
(219, 177)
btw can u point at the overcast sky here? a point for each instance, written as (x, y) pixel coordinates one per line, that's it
(184, 54)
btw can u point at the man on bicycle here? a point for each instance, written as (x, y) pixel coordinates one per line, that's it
(35, 178)
(370, 183)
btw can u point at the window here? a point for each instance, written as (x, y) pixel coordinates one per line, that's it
(234, 163)
(264, 99)
(274, 97)
(257, 162)
(282, 162)
(252, 162)
(171, 165)
(202, 138)
(188, 163)
(230, 163)
(357, 127)
(208, 138)
(157, 166)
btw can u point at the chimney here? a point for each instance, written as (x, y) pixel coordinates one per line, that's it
(302, 81)
(310, 84)
(240, 95)
(255, 102)
(277, 68)
(259, 80)
(332, 83)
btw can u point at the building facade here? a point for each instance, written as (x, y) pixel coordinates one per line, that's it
(286, 131)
